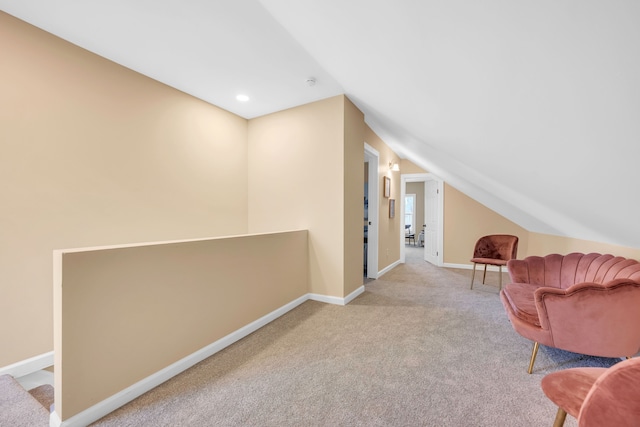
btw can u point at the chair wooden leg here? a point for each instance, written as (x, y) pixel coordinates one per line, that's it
(484, 276)
(561, 415)
(473, 275)
(534, 353)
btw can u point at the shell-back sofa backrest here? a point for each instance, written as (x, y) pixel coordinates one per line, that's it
(562, 271)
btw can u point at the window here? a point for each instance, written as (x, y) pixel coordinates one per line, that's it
(410, 213)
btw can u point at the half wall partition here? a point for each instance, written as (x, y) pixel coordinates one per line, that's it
(128, 318)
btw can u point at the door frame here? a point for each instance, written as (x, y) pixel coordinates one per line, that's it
(424, 177)
(372, 156)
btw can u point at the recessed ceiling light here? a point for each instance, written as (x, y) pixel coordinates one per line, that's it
(242, 98)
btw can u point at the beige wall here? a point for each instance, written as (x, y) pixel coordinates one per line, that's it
(306, 167)
(95, 154)
(407, 167)
(543, 244)
(388, 228)
(296, 173)
(354, 136)
(130, 312)
(466, 220)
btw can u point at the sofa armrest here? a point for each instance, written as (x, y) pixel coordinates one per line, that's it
(518, 270)
(549, 296)
(587, 316)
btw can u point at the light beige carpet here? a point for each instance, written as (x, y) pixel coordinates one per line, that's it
(19, 408)
(418, 348)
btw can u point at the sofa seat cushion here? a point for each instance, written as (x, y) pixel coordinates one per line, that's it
(569, 388)
(490, 261)
(520, 297)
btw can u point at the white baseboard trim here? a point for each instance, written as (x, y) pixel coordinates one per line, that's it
(28, 366)
(336, 300)
(353, 295)
(54, 420)
(480, 267)
(125, 396)
(326, 299)
(389, 268)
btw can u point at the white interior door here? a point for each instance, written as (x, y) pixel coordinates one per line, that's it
(431, 219)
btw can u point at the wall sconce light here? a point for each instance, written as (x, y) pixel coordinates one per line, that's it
(394, 167)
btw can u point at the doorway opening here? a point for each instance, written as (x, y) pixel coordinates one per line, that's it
(370, 229)
(428, 216)
(413, 214)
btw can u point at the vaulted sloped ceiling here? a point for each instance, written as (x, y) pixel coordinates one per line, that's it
(530, 107)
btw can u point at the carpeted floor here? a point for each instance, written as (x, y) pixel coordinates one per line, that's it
(417, 348)
(22, 408)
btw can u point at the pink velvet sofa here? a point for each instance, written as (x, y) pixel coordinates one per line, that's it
(583, 303)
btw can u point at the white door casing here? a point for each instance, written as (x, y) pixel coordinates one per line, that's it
(372, 156)
(434, 216)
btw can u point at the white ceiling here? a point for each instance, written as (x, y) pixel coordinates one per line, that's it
(530, 107)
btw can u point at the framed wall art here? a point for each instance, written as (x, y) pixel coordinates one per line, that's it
(387, 186)
(392, 208)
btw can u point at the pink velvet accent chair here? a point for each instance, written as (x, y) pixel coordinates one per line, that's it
(587, 304)
(597, 397)
(495, 249)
